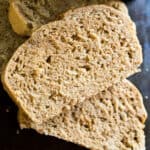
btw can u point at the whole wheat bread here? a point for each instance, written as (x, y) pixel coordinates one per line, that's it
(9, 41)
(69, 60)
(110, 120)
(26, 16)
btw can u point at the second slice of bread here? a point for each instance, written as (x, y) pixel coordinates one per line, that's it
(67, 61)
(111, 120)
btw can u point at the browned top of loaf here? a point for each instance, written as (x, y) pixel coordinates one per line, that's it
(69, 60)
(110, 120)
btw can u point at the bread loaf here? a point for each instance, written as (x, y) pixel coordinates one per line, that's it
(67, 61)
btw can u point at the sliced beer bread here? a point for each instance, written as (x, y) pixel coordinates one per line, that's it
(111, 120)
(66, 61)
(25, 16)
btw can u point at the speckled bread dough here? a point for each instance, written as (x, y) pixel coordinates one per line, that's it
(9, 41)
(77, 57)
(111, 120)
(26, 16)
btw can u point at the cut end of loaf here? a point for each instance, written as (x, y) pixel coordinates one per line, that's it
(9, 41)
(19, 23)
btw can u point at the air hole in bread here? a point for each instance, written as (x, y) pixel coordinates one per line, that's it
(102, 41)
(77, 76)
(48, 60)
(47, 107)
(78, 58)
(102, 65)
(132, 99)
(63, 39)
(30, 25)
(87, 51)
(86, 67)
(75, 37)
(17, 59)
(73, 50)
(130, 55)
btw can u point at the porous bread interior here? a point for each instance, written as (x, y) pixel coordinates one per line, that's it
(77, 58)
(112, 119)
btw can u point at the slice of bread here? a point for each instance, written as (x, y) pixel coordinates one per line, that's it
(9, 41)
(111, 120)
(69, 60)
(26, 16)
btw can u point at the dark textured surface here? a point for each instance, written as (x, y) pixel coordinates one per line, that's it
(140, 13)
(12, 138)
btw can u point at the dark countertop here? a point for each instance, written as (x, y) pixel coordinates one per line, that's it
(12, 138)
(140, 13)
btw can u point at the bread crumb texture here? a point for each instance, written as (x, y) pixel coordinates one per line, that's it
(111, 120)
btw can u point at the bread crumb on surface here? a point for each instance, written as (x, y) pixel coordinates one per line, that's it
(146, 97)
(17, 131)
(147, 69)
(7, 110)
